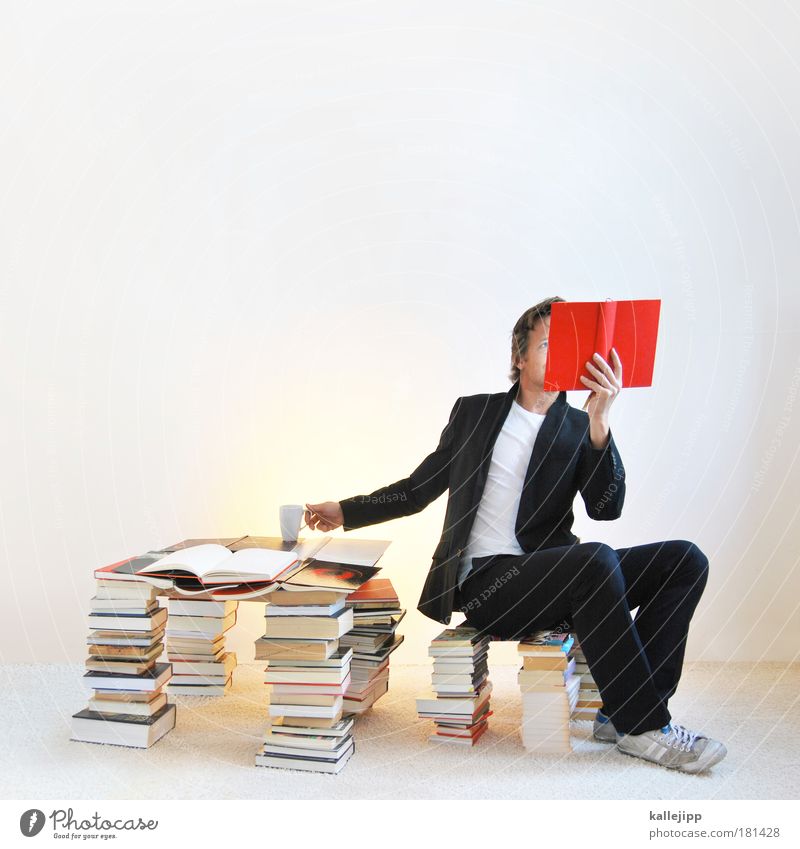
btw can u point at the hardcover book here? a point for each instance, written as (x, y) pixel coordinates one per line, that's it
(579, 329)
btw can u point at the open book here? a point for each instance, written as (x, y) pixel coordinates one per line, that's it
(214, 564)
(579, 329)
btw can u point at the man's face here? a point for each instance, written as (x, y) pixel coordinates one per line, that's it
(532, 366)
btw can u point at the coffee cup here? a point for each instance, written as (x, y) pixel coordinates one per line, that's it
(291, 519)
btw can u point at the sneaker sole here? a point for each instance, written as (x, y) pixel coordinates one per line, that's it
(711, 756)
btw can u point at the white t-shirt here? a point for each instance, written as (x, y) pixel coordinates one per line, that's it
(493, 529)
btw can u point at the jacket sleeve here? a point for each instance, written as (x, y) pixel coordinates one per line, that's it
(601, 480)
(409, 495)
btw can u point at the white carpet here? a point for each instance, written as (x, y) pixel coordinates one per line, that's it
(750, 707)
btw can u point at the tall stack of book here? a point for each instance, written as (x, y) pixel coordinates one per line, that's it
(549, 688)
(459, 701)
(376, 615)
(129, 707)
(308, 672)
(589, 698)
(196, 646)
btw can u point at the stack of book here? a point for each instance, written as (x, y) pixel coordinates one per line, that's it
(549, 688)
(308, 672)
(376, 615)
(459, 701)
(129, 707)
(196, 646)
(589, 698)
(204, 579)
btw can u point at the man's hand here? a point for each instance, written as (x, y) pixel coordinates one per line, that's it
(324, 516)
(605, 388)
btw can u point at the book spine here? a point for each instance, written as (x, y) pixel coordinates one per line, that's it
(604, 335)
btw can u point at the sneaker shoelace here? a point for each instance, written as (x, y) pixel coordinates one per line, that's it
(679, 737)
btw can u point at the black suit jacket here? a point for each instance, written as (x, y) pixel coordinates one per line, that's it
(563, 463)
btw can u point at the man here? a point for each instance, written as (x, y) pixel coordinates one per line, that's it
(513, 463)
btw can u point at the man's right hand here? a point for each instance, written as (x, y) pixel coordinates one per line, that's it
(324, 516)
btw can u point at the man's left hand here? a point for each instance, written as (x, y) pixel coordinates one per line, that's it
(605, 387)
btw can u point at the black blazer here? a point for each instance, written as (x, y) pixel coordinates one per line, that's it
(563, 462)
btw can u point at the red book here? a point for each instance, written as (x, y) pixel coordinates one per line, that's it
(473, 738)
(578, 330)
(375, 589)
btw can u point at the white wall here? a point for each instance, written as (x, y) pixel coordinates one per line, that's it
(252, 252)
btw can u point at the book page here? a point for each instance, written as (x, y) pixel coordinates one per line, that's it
(264, 563)
(198, 559)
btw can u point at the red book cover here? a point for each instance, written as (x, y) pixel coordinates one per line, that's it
(375, 589)
(579, 329)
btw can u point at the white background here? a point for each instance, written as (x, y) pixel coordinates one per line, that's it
(252, 252)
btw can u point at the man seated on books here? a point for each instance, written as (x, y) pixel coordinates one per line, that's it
(513, 463)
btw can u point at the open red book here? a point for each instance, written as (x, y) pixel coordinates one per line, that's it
(579, 329)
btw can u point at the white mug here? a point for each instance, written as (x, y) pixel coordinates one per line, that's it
(291, 518)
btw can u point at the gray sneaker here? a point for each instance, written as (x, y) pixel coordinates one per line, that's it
(674, 747)
(603, 729)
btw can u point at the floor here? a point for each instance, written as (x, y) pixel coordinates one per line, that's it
(751, 707)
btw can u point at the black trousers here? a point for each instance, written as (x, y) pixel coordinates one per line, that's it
(635, 662)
